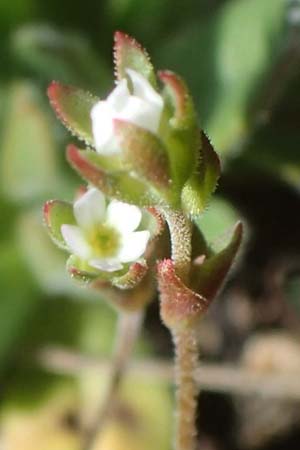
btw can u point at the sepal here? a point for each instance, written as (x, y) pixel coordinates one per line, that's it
(157, 224)
(73, 106)
(81, 272)
(129, 54)
(124, 279)
(143, 152)
(178, 97)
(179, 128)
(201, 185)
(57, 213)
(133, 277)
(115, 184)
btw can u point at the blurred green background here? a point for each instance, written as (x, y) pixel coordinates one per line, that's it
(241, 59)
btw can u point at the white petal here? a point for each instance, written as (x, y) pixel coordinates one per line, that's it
(133, 246)
(119, 96)
(143, 89)
(89, 209)
(75, 240)
(141, 113)
(124, 217)
(107, 265)
(102, 125)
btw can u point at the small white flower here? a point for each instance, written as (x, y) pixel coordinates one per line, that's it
(142, 107)
(104, 237)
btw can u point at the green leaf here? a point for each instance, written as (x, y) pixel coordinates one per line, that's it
(119, 185)
(208, 276)
(73, 106)
(57, 213)
(198, 189)
(129, 54)
(226, 60)
(29, 166)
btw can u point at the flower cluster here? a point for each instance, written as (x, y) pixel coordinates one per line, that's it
(146, 157)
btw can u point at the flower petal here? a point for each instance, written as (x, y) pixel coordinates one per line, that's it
(143, 89)
(107, 265)
(102, 124)
(89, 209)
(141, 113)
(133, 246)
(75, 240)
(124, 217)
(119, 96)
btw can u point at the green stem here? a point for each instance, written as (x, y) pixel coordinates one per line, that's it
(128, 328)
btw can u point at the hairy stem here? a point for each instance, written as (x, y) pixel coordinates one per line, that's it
(185, 340)
(181, 241)
(128, 328)
(186, 361)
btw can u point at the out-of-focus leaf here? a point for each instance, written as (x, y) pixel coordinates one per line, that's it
(274, 149)
(219, 217)
(29, 168)
(18, 300)
(225, 60)
(129, 15)
(47, 263)
(63, 56)
(13, 12)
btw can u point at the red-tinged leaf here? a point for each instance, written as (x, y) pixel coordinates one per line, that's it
(57, 213)
(133, 277)
(144, 153)
(119, 185)
(180, 306)
(209, 275)
(200, 186)
(177, 93)
(73, 106)
(129, 54)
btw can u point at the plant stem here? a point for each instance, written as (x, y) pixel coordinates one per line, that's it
(186, 361)
(128, 328)
(181, 241)
(185, 339)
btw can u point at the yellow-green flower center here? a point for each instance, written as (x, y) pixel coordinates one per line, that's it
(104, 240)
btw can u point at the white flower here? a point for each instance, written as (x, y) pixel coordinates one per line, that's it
(142, 107)
(104, 237)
